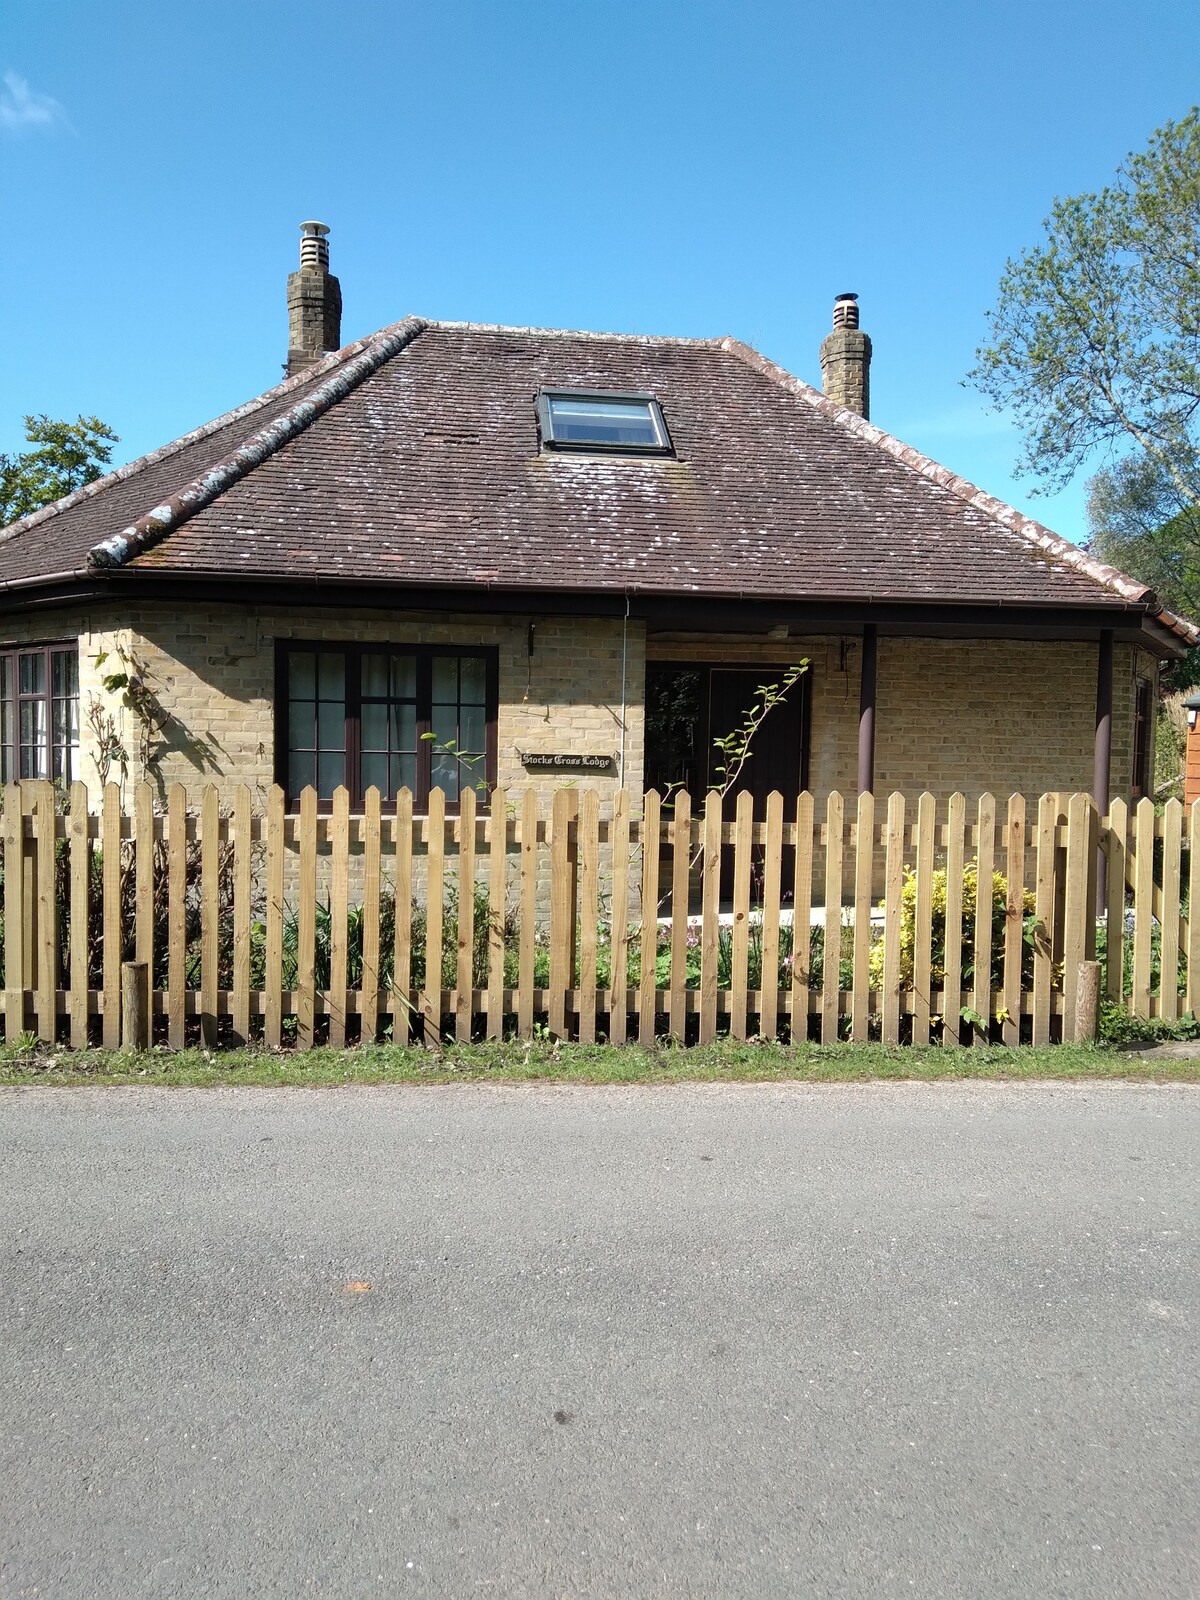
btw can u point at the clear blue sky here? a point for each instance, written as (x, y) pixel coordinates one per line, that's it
(673, 166)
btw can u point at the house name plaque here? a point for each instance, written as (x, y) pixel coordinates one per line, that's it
(540, 761)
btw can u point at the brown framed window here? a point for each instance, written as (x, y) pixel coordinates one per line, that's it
(386, 716)
(39, 712)
(1143, 740)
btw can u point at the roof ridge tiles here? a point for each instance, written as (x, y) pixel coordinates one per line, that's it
(1032, 535)
(443, 325)
(164, 452)
(343, 377)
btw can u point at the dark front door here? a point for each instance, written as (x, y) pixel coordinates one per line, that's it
(689, 707)
(775, 752)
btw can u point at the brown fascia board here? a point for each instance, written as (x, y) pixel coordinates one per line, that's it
(1035, 536)
(662, 611)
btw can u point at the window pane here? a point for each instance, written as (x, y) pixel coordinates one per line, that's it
(404, 677)
(404, 773)
(33, 672)
(302, 725)
(445, 726)
(33, 722)
(587, 421)
(331, 771)
(471, 728)
(64, 670)
(301, 771)
(375, 771)
(445, 678)
(61, 763)
(331, 674)
(302, 675)
(389, 676)
(443, 773)
(404, 727)
(473, 674)
(376, 676)
(374, 728)
(331, 724)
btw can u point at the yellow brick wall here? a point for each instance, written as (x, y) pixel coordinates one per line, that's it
(213, 669)
(990, 714)
(971, 715)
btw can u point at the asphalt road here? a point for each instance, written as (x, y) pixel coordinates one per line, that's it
(716, 1341)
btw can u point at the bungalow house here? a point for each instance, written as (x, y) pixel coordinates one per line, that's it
(451, 554)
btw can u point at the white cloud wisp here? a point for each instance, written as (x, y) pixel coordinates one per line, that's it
(22, 108)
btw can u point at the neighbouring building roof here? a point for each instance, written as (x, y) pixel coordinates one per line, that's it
(413, 459)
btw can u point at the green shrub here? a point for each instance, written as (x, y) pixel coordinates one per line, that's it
(908, 929)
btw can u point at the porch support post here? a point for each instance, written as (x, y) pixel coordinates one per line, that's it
(1102, 763)
(866, 713)
(1104, 704)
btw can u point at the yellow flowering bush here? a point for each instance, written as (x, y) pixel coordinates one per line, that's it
(908, 928)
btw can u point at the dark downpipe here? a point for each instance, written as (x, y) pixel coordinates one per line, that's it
(866, 713)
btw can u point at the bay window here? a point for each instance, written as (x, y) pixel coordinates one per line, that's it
(39, 713)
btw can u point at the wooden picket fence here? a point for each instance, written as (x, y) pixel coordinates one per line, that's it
(623, 918)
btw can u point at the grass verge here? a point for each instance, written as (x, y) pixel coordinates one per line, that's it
(516, 1061)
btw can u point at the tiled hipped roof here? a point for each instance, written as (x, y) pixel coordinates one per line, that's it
(413, 459)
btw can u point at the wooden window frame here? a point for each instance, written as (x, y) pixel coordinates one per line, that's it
(354, 651)
(10, 750)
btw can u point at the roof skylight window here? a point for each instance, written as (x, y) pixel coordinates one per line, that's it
(620, 424)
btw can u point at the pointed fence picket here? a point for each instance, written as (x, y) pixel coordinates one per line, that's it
(599, 916)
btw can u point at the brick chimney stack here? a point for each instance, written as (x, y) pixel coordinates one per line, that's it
(846, 359)
(314, 301)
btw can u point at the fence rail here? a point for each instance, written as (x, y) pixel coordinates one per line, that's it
(890, 917)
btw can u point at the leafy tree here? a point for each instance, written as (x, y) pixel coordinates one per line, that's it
(1138, 523)
(1095, 338)
(65, 456)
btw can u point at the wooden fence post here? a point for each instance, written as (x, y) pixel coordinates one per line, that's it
(497, 835)
(619, 925)
(800, 988)
(110, 853)
(710, 933)
(435, 920)
(768, 1014)
(952, 943)
(135, 1005)
(527, 948)
(46, 920)
(14, 915)
(648, 980)
(563, 882)
(1087, 1002)
(680, 833)
(831, 959)
(210, 913)
(893, 888)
